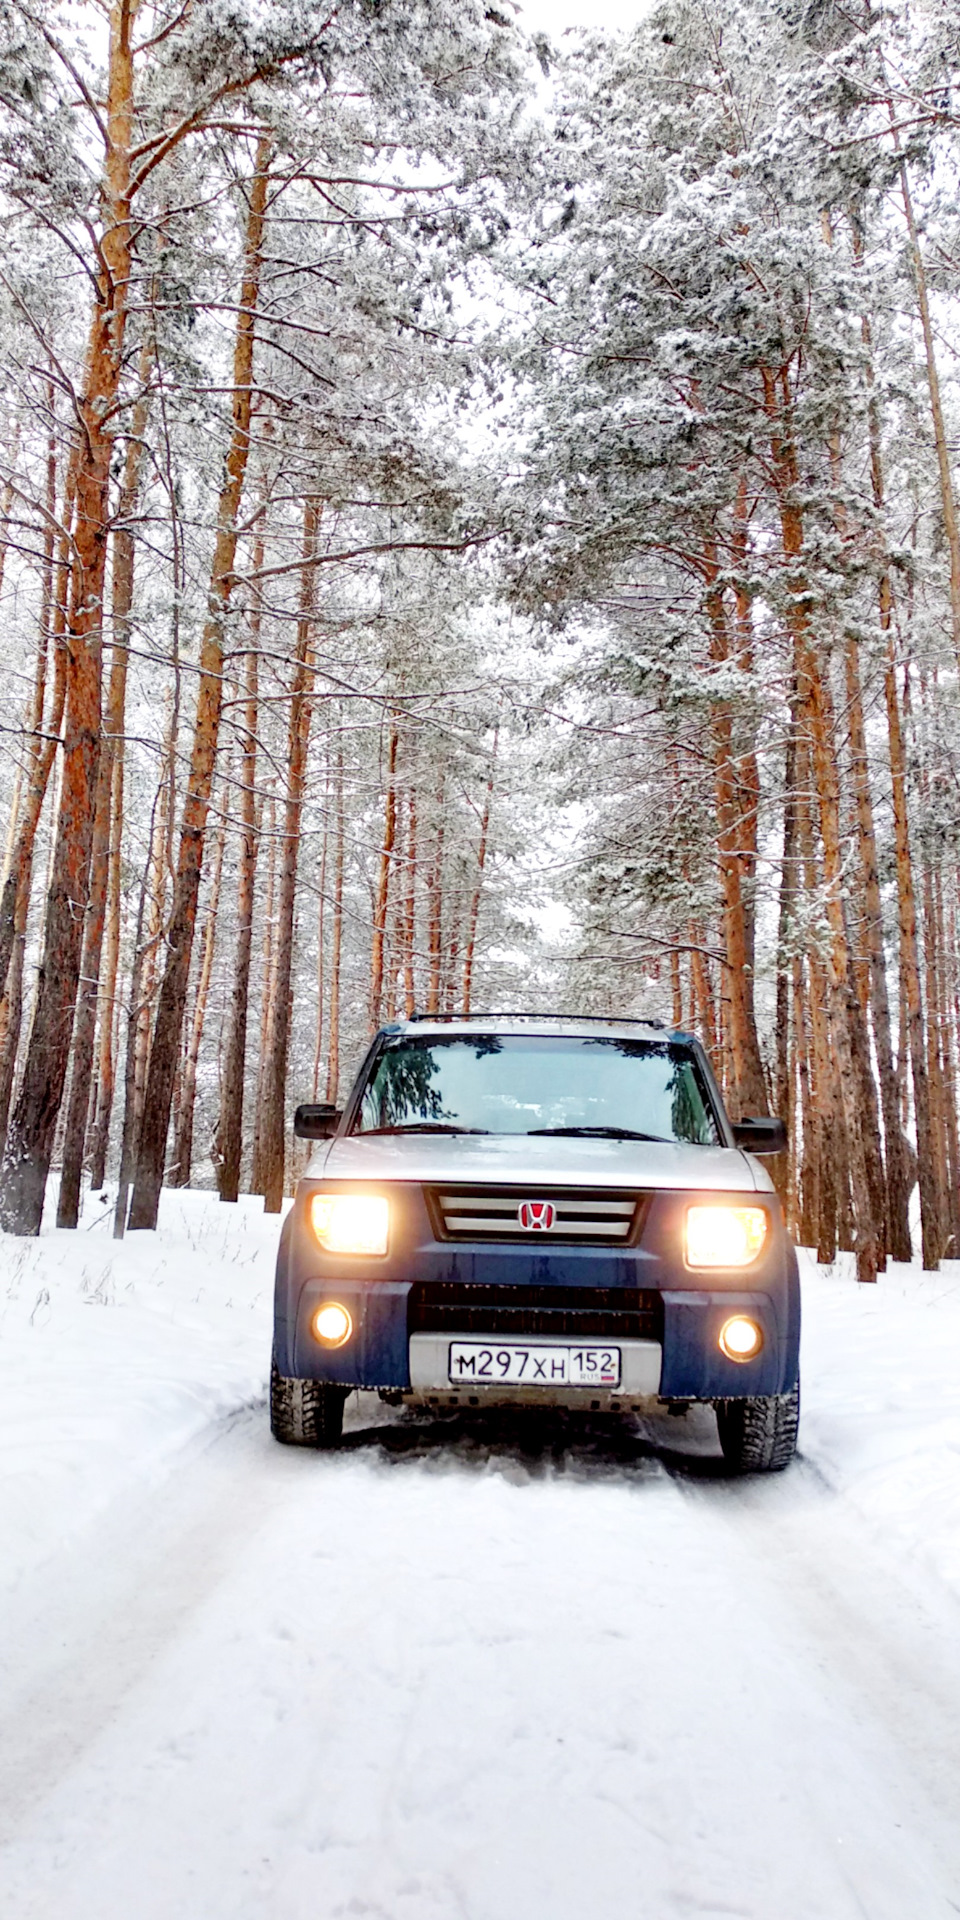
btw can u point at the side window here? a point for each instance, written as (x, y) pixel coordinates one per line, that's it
(693, 1117)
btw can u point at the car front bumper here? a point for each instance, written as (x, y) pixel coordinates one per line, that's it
(685, 1361)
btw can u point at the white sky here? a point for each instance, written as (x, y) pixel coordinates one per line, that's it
(552, 16)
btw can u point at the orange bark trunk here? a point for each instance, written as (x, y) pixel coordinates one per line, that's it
(816, 717)
(383, 883)
(273, 1127)
(230, 1130)
(475, 898)
(336, 941)
(183, 1150)
(31, 1136)
(78, 1105)
(173, 991)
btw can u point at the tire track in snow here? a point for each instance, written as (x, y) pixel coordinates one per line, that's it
(436, 1676)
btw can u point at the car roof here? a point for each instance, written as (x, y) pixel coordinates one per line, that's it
(577, 1026)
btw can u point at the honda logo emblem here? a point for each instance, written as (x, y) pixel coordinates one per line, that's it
(536, 1216)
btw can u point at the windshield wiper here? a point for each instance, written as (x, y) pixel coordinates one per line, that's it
(424, 1126)
(601, 1133)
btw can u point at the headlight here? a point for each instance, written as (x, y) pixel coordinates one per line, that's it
(350, 1222)
(724, 1236)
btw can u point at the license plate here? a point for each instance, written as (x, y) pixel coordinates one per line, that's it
(477, 1363)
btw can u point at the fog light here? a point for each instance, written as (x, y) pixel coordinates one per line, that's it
(740, 1338)
(332, 1324)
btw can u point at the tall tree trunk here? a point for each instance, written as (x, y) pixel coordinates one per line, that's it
(705, 1018)
(435, 909)
(11, 1012)
(109, 1001)
(747, 764)
(273, 1122)
(173, 991)
(183, 1149)
(410, 904)
(948, 964)
(950, 1167)
(805, 1158)
(476, 895)
(947, 500)
(30, 1140)
(930, 1208)
(911, 1021)
(856, 1082)
(269, 982)
(147, 936)
(336, 940)
(78, 1105)
(43, 746)
(749, 1092)
(17, 886)
(784, 1100)
(230, 1130)
(321, 949)
(383, 881)
(897, 1156)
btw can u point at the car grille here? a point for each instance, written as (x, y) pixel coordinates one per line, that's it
(591, 1218)
(605, 1313)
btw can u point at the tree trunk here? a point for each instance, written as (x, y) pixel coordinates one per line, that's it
(78, 1105)
(856, 1085)
(749, 1091)
(43, 747)
(336, 941)
(705, 1020)
(173, 991)
(475, 898)
(434, 911)
(947, 501)
(109, 1004)
(383, 882)
(897, 1157)
(230, 1131)
(930, 1212)
(911, 1021)
(29, 1145)
(410, 904)
(183, 1150)
(273, 1117)
(11, 1012)
(783, 1096)
(321, 945)
(269, 978)
(144, 947)
(940, 1000)
(806, 1160)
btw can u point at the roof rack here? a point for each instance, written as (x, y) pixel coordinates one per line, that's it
(592, 1019)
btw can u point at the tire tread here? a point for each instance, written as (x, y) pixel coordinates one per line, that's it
(759, 1435)
(305, 1413)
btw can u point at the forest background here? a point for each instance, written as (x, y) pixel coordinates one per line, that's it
(477, 526)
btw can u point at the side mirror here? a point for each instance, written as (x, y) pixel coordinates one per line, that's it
(761, 1136)
(316, 1123)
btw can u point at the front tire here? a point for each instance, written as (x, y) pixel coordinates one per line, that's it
(759, 1435)
(305, 1413)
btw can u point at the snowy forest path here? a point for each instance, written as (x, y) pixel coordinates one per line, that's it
(445, 1674)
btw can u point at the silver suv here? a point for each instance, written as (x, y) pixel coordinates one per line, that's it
(522, 1209)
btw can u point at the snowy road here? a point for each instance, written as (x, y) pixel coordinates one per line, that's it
(440, 1677)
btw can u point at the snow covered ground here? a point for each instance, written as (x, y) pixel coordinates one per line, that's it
(468, 1671)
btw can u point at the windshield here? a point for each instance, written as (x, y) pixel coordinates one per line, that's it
(492, 1083)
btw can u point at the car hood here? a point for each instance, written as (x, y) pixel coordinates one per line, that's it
(519, 1159)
